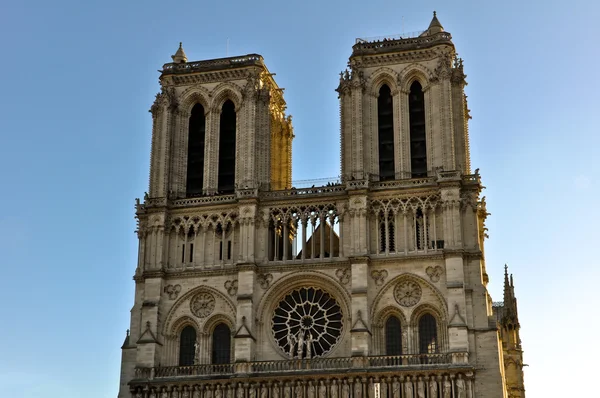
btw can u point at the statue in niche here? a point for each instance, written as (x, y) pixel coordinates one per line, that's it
(396, 389)
(460, 387)
(252, 392)
(345, 389)
(286, 391)
(164, 394)
(357, 389)
(420, 388)
(299, 393)
(447, 388)
(322, 389)
(263, 391)
(433, 387)
(240, 391)
(275, 390)
(229, 393)
(310, 392)
(334, 389)
(218, 392)
(408, 388)
(208, 393)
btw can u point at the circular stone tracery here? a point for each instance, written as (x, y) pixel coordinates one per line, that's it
(408, 293)
(307, 323)
(202, 304)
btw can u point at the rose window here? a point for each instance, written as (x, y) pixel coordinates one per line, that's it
(307, 323)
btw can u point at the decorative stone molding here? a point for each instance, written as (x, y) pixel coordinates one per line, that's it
(343, 275)
(231, 286)
(172, 291)
(264, 280)
(202, 304)
(434, 273)
(379, 276)
(408, 293)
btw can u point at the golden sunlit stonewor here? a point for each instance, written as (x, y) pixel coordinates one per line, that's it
(373, 285)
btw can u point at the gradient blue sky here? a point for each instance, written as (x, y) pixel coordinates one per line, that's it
(80, 76)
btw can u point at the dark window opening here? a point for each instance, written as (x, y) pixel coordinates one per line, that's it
(183, 253)
(393, 336)
(221, 250)
(418, 147)
(191, 252)
(187, 350)
(221, 344)
(428, 343)
(195, 161)
(227, 133)
(385, 122)
(228, 250)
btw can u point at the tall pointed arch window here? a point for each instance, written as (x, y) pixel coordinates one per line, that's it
(393, 336)
(195, 159)
(187, 349)
(428, 339)
(385, 125)
(221, 344)
(418, 147)
(227, 133)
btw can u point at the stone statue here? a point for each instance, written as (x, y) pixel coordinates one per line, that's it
(345, 389)
(300, 344)
(357, 388)
(433, 387)
(218, 392)
(240, 391)
(196, 352)
(310, 392)
(275, 390)
(309, 343)
(460, 387)
(396, 389)
(263, 391)
(252, 392)
(291, 339)
(447, 388)
(322, 389)
(420, 388)
(286, 392)
(298, 391)
(334, 390)
(408, 388)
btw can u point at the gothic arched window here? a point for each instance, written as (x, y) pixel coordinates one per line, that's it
(428, 341)
(195, 160)
(418, 145)
(221, 344)
(227, 135)
(187, 351)
(385, 123)
(393, 336)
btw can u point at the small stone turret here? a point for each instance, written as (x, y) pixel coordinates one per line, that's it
(434, 26)
(179, 57)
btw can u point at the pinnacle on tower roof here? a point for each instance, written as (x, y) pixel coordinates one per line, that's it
(435, 26)
(179, 57)
(510, 302)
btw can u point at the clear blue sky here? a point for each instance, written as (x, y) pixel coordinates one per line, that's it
(78, 78)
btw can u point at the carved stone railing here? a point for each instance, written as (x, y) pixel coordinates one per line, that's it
(250, 59)
(413, 182)
(201, 200)
(410, 361)
(471, 179)
(379, 46)
(322, 191)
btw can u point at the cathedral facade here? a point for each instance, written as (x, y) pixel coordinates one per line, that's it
(374, 285)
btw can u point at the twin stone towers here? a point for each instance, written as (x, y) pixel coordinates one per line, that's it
(370, 286)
